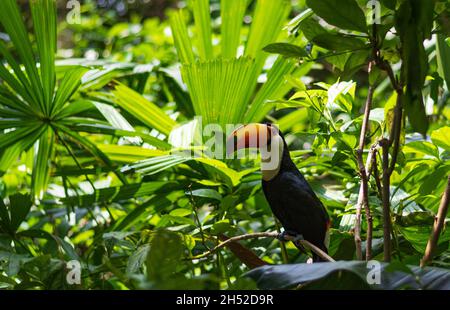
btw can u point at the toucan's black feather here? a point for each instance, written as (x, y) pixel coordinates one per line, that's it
(295, 204)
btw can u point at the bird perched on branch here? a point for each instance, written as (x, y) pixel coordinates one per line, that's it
(289, 195)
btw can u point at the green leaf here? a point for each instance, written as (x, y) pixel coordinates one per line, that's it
(338, 42)
(166, 249)
(44, 21)
(91, 148)
(120, 193)
(137, 259)
(422, 147)
(5, 221)
(206, 193)
(441, 137)
(345, 14)
(19, 207)
(181, 38)
(144, 110)
(390, 4)
(42, 162)
(286, 50)
(12, 21)
(127, 153)
(202, 17)
(219, 100)
(418, 236)
(67, 87)
(443, 58)
(232, 16)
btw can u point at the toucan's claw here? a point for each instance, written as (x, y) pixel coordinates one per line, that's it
(290, 236)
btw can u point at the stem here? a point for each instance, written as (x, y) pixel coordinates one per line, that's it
(396, 131)
(305, 243)
(437, 227)
(376, 173)
(386, 202)
(199, 223)
(363, 199)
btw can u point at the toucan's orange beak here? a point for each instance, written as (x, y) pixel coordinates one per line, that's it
(249, 136)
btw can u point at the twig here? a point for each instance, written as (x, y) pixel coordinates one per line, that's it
(386, 203)
(437, 227)
(199, 223)
(396, 131)
(376, 173)
(305, 243)
(363, 198)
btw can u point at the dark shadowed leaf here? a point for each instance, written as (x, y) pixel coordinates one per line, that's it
(290, 276)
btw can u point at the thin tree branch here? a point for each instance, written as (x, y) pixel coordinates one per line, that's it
(386, 201)
(363, 199)
(376, 173)
(437, 227)
(304, 243)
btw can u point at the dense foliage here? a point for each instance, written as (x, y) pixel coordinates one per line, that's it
(97, 116)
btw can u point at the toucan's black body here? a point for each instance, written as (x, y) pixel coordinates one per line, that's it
(295, 204)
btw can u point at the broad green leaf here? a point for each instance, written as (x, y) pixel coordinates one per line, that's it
(441, 137)
(338, 42)
(418, 236)
(181, 212)
(345, 14)
(286, 50)
(422, 147)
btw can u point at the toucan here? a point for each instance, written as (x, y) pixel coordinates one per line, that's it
(291, 198)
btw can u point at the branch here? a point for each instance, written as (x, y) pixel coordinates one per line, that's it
(363, 199)
(396, 131)
(230, 241)
(386, 203)
(437, 227)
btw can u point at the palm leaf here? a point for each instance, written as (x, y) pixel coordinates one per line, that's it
(144, 110)
(44, 21)
(232, 13)
(202, 18)
(42, 162)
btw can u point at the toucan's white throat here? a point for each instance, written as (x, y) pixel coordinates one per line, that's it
(271, 158)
